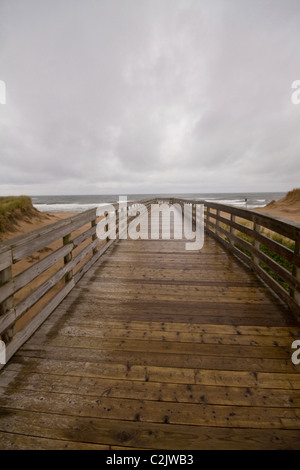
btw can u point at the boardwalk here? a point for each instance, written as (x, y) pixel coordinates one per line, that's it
(157, 348)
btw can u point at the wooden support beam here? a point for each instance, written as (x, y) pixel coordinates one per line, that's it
(68, 257)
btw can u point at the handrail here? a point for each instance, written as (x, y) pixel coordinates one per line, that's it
(241, 231)
(57, 273)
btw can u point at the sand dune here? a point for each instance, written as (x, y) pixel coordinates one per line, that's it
(29, 224)
(287, 207)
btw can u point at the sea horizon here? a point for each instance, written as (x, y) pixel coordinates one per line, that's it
(81, 203)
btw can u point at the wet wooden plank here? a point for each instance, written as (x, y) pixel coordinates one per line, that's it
(155, 391)
(196, 348)
(16, 441)
(158, 373)
(115, 330)
(147, 435)
(158, 359)
(151, 411)
(99, 324)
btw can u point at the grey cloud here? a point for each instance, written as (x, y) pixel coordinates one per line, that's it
(145, 96)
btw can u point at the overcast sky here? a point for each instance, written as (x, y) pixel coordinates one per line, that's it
(145, 96)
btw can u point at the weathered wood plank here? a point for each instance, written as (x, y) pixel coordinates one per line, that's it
(24, 305)
(151, 411)
(287, 276)
(16, 441)
(170, 347)
(5, 259)
(76, 330)
(92, 260)
(34, 271)
(40, 238)
(7, 319)
(166, 436)
(159, 359)
(23, 335)
(157, 327)
(6, 303)
(287, 228)
(77, 241)
(273, 245)
(82, 217)
(274, 285)
(161, 374)
(155, 391)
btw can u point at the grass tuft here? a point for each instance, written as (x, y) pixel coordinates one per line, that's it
(13, 209)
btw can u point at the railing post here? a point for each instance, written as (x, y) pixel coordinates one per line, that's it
(68, 258)
(256, 243)
(296, 272)
(232, 229)
(207, 218)
(194, 215)
(217, 222)
(7, 304)
(93, 224)
(106, 226)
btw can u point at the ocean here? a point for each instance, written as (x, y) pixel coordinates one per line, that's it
(83, 203)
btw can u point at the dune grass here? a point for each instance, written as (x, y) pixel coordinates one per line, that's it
(14, 208)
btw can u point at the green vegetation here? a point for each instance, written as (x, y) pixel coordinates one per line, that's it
(243, 250)
(14, 208)
(280, 260)
(271, 254)
(282, 240)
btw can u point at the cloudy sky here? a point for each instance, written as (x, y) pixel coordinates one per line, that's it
(145, 96)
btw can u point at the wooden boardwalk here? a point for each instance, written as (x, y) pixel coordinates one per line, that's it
(157, 348)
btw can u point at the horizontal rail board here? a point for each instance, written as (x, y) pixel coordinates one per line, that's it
(30, 236)
(7, 320)
(84, 236)
(25, 245)
(23, 306)
(91, 261)
(277, 268)
(287, 228)
(277, 288)
(83, 253)
(273, 245)
(23, 335)
(22, 279)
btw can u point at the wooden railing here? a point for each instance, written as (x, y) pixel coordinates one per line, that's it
(39, 269)
(267, 244)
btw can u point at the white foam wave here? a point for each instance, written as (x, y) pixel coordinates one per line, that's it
(66, 207)
(240, 202)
